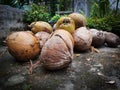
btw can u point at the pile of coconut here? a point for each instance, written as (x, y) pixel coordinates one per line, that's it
(53, 46)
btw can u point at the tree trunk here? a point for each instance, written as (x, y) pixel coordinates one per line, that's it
(117, 7)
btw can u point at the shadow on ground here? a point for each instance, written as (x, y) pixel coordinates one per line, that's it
(88, 71)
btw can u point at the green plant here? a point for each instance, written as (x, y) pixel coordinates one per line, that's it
(14, 3)
(64, 5)
(100, 8)
(98, 23)
(103, 18)
(26, 87)
(55, 17)
(8, 2)
(37, 13)
(107, 23)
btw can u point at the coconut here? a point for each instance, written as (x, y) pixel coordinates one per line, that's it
(30, 32)
(23, 45)
(111, 39)
(57, 52)
(42, 37)
(65, 23)
(40, 26)
(63, 34)
(79, 19)
(98, 38)
(82, 38)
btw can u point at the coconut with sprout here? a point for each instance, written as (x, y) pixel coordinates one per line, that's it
(65, 23)
(40, 26)
(23, 45)
(79, 19)
(82, 38)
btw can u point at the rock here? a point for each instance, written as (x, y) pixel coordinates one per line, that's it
(16, 79)
(11, 19)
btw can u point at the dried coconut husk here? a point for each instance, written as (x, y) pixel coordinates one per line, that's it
(42, 37)
(82, 38)
(40, 26)
(57, 52)
(111, 39)
(98, 38)
(79, 19)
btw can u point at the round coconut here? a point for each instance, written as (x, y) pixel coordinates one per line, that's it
(65, 23)
(79, 19)
(23, 45)
(57, 52)
(98, 38)
(40, 26)
(111, 39)
(42, 37)
(82, 38)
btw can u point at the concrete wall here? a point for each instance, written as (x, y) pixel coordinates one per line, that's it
(11, 19)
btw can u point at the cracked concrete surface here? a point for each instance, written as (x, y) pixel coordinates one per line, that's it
(88, 71)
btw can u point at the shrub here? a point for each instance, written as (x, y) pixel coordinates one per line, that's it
(55, 17)
(37, 13)
(108, 23)
(98, 23)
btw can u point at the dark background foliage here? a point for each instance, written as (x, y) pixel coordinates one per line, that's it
(101, 16)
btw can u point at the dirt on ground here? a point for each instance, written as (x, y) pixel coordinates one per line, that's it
(88, 71)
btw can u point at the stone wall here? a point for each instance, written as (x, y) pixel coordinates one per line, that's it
(11, 19)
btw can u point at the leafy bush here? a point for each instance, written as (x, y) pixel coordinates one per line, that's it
(100, 8)
(98, 23)
(55, 18)
(104, 18)
(107, 23)
(37, 13)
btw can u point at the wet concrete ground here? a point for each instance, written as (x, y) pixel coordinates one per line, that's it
(88, 71)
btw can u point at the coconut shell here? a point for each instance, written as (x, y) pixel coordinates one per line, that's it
(40, 26)
(79, 19)
(98, 38)
(42, 37)
(57, 52)
(111, 39)
(23, 45)
(82, 38)
(62, 33)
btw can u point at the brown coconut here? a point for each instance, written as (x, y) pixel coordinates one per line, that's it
(42, 37)
(40, 26)
(111, 39)
(79, 19)
(98, 38)
(57, 52)
(23, 45)
(82, 38)
(61, 33)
